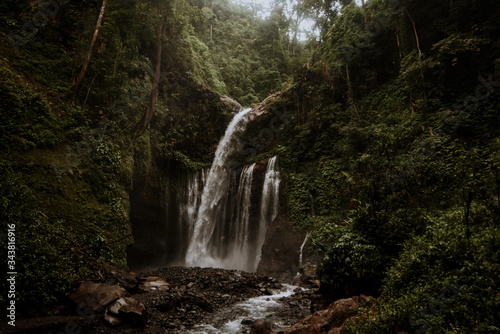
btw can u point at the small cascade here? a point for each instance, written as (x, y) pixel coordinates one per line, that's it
(269, 204)
(190, 199)
(301, 253)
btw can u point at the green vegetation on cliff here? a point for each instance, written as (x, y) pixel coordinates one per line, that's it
(392, 159)
(67, 164)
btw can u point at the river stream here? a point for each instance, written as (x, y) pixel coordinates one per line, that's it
(229, 321)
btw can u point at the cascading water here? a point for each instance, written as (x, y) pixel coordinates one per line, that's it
(301, 253)
(215, 189)
(269, 204)
(216, 222)
(190, 199)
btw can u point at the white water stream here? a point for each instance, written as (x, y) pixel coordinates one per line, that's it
(255, 308)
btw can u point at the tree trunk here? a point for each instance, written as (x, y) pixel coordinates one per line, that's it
(419, 53)
(350, 92)
(86, 62)
(399, 45)
(141, 127)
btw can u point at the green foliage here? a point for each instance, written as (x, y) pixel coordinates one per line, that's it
(26, 121)
(444, 281)
(392, 161)
(202, 65)
(298, 200)
(350, 264)
(107, 157)
(43, 259)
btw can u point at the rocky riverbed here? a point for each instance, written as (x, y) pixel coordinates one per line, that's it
(194, 300)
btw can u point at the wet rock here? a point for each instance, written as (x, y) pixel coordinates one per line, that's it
(92, 296)
(262, 326)
(170, 325)
(280, 252)
(331, 320)
(122, 277)
(306, 275)
(230, 103)
(308, 269)
(153, 283)
(247, 321)
(127, 310)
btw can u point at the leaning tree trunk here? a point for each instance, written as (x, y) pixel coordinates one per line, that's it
(86, 62)
(417, 40)
(150, 111)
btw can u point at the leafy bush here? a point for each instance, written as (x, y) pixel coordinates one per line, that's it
(351, 265)
(445, 281)
(44, 260)
(26, 120)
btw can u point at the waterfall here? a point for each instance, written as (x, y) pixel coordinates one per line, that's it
(232, 248)
(212, 206)
(269, 204)
(190, 199)
(224, 214)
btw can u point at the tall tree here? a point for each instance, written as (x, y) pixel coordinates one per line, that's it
(86, 62)
(417, 41)
(142, 125)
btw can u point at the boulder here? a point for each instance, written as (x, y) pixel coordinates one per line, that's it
(92, 296)
(262, 326)
(247, 321)
(308, 269)
(127, 310)
(153, 283)
(124, 278)
(330, 320)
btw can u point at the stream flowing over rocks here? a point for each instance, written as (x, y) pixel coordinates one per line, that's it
(177, 300)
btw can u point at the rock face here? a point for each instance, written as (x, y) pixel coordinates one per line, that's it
(231, 104)
(280, 252)
(331, 320)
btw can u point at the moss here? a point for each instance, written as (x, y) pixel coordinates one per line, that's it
(26, 119)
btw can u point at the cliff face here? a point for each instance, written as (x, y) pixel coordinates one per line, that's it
(280, 252)
(159, 186)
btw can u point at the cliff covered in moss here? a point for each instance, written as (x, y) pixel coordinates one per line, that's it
(69, 171)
